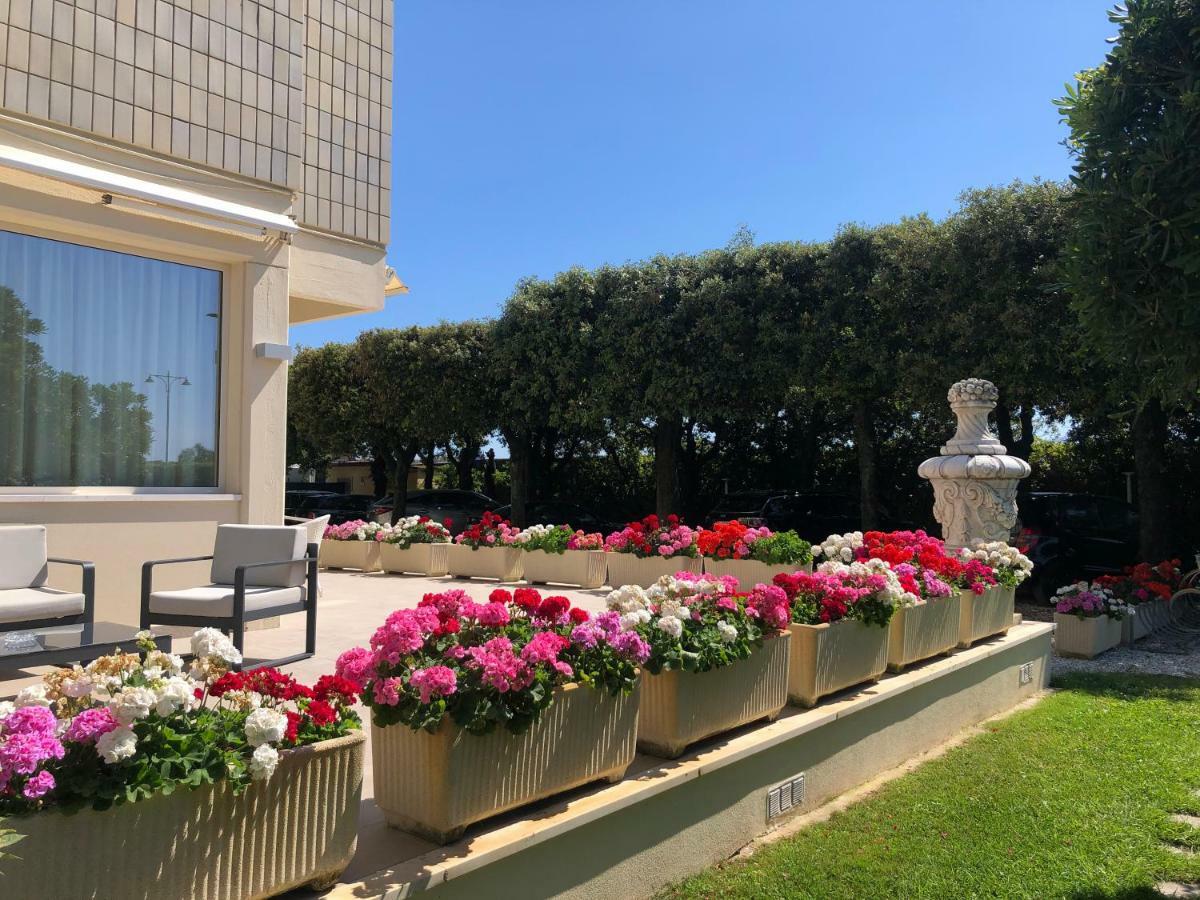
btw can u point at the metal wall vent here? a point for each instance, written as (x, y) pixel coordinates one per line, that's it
(784, 797)
(1026, 672)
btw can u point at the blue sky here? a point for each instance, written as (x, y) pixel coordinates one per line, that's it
(532, 136)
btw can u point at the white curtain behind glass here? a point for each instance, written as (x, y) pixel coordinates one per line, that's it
(81, 331)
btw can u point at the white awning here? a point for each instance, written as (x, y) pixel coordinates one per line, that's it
(201, 207)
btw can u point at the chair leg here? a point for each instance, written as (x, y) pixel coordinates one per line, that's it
(310, 631)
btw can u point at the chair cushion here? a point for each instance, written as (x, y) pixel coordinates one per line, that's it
(22, 556)
(28, 604)
(216, 600)
(241, 545)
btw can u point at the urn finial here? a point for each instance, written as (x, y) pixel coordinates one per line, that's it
(972, 399)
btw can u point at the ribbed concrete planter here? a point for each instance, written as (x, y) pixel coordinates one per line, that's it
(680, 708)
(298, 828)
(1085, 638)
(921, 631)
(829, 657)
(500, 563)
(626, 568)
(583, 568)
(435, 785)
(750, 572)
(1147, 617)
(417, 559)
(986, 614)
(362, 555)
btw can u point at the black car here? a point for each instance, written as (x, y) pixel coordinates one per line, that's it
(294, 500)
(812, 515)
(339, 507)
(1073, 536)
(455, 509)
(740, 506)
(560, 512)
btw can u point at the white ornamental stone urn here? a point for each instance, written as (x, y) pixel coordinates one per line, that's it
(974, 480)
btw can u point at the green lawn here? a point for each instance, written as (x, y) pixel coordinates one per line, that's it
(1070, 798)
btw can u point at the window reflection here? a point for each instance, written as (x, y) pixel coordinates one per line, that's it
(109, 367)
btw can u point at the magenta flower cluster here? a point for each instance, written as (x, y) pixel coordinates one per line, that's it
(27, 740)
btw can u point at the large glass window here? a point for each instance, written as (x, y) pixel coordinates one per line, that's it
(109, 367)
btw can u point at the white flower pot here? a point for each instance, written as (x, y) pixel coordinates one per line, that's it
(986, 614)
(681, 708)
(829, 657)
(1147, 617)
(500, 563)
(416, 559)
(750, 572)
(297, 828)
(1085, 638)
(583, 568)
(362, 555)
(626, 568)
(921, 631)
(435, 785)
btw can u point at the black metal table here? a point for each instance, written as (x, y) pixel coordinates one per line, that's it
(57, 644)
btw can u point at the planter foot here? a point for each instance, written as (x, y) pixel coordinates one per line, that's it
(325, 882)
(662, 751)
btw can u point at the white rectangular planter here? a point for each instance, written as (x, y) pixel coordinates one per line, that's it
(750, 572)
(626, 568)
(829, 657)
(362, 555)
(435, 785)
(297, 828)
(500, 563)
(583, 568)
(921, 631)
(986, 614)
(1146, 618)
(416, 559)
(1085, 638)
(680, 708)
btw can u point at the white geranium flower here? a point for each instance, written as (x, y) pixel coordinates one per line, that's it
(265, 726)
(34, 695)
(263, 762)
(116, 745)
(132, 704)
(670, 625)
(211, 642)
(632, 620)
(728, 632)
(629, 598)
(175, 694)
(6, 708)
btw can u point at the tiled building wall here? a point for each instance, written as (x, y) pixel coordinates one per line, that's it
(248, 86)
(347, 116)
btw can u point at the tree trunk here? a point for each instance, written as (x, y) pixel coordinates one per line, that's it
(810, 446)
(489, 474)
(401, 464)
(689, 472)
(1150, 437)
(1004, 429)
(868, 465)
(1024, 445)
(518, 476)
(379, 470)
(428, 456)
(464, 466)
(666, 477)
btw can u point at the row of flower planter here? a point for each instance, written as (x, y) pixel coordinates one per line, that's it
(588, 735)
(582, 568)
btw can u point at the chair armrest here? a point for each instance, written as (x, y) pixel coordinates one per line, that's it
(88, 585)
(279, 562)
(71, 562)
(166, 562)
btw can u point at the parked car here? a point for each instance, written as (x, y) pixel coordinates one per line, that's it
(1073, 536)
(456, 509)
(560, 512)
(740, 506)
(339, 507)
(294, 500)
(813, 515)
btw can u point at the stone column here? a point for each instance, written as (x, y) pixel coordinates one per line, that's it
(974, 480)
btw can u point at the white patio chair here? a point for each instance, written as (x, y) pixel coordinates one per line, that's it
(25, 599)
(257, 572)
(316, 527)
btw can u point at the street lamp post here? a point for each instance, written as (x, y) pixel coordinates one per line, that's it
(168, 379)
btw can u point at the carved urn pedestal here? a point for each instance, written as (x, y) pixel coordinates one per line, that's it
(974, 480)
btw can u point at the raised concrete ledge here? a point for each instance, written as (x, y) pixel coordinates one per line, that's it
(669, 819)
